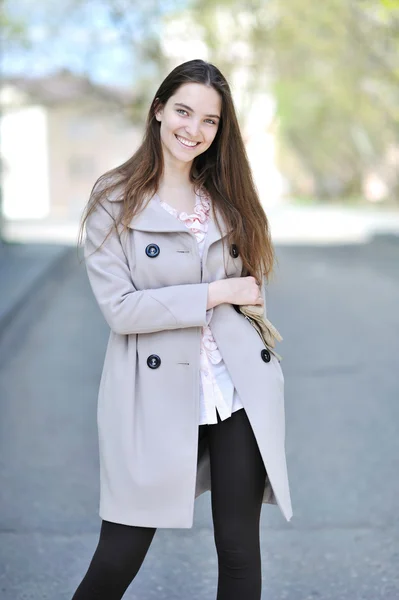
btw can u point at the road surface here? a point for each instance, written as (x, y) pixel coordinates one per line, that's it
(338, 311)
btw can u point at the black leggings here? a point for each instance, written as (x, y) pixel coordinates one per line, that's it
(238, 479)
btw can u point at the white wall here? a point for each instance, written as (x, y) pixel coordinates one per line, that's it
(24, 157)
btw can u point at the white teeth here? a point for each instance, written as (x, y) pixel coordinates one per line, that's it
(186, 142)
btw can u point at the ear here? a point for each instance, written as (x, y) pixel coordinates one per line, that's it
(158, 111)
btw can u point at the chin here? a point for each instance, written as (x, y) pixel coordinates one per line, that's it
(182, 157)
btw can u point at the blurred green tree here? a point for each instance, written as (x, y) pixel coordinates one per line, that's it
(332, 67)
(13, 30)
(336, 86)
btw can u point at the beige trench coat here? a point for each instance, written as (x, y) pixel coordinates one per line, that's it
(154, 301)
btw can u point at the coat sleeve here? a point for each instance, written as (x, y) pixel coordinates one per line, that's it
(263, 290)
(126, 309)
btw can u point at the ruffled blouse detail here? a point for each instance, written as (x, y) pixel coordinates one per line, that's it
(197, 222)
(217, 392)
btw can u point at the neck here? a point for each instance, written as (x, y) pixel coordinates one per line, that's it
(176, 174)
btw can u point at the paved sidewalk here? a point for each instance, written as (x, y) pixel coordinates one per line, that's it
(342, 443)
(23, 268)
(290, 224)
(319, 225)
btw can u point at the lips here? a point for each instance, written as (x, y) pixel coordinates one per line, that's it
(186, 145)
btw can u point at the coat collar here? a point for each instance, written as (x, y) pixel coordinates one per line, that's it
(155, 218)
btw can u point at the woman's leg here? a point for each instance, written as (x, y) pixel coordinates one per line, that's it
(119, 555)
(238, 480)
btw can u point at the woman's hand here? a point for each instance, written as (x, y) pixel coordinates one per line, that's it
(234, 290)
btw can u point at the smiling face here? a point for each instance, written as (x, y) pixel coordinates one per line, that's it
(189, 121)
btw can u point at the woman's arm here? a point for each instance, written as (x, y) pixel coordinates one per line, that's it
(216, 293)
(128, 310)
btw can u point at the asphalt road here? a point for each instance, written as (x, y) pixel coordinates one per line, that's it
(338, 311)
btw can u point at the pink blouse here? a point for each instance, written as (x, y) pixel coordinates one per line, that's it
(217, 392)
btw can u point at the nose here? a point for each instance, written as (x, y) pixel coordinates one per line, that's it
(193, 128)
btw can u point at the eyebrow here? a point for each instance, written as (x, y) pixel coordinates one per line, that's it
(188, 108)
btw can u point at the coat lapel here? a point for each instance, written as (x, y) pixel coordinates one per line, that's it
(213, 234)
(155, 218)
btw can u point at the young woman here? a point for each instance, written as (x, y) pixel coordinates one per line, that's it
(190, 399)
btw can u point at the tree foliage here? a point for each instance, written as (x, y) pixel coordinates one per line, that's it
(333, 68)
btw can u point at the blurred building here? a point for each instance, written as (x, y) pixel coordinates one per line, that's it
(58, 134)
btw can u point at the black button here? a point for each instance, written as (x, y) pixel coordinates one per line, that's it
(265, 354)
(234, 251)
(153, 361)
(152, 250)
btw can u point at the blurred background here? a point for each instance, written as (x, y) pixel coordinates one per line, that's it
(316, 87)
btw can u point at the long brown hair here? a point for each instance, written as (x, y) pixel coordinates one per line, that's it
(222, 170)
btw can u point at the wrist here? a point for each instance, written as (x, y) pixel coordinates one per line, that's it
(216, 293)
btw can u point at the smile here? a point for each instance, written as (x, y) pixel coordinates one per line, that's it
(186, 143)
